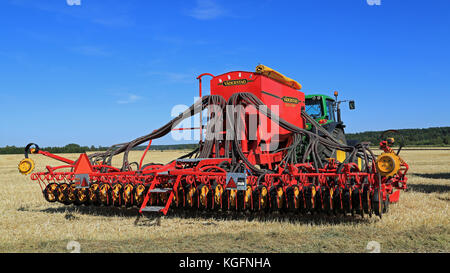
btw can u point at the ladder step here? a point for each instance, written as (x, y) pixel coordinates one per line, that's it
(160, 190)
(152, 208)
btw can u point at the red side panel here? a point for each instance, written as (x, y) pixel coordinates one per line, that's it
(281, 99)
(271, 92)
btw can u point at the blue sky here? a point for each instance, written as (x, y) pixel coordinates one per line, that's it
(105, 72)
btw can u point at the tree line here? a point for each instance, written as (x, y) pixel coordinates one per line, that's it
(75, 148)
(434, 136)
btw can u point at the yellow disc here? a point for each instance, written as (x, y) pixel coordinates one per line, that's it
(233, 194)
(248, 195)
(280, 193)
(204, 195)
(71, 193)
(190, 196)
(263, 197)
(92, 192)
(218, 194)
(127, 192)
(26, 165)
(103, 192)
(116, 191)
(388, 164)
(139, 194)
(313, 195)
(296, 196)
(61, 192)
(82, 195)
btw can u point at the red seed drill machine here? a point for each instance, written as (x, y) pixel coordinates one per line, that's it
(259, 152)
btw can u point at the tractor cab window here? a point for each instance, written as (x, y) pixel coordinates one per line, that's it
(314, 107)
(330, 110)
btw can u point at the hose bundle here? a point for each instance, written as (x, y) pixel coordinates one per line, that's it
(303, 147)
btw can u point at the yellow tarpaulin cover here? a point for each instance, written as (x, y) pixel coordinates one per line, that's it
(269, 72)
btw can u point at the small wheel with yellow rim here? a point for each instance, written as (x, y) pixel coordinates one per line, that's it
(26, 165)
(50, 192)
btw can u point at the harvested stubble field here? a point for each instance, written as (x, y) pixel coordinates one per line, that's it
(418, 223)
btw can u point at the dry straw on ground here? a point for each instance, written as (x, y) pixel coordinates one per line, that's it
(418, 223)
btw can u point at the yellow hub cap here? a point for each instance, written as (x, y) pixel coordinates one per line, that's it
(280, 194)
(26, 166)
(263, 197)
(296, 197)
(190, 196)
(218, 194)
(103, 192)
(116, 191)
(248, 196)
(233, 194)
(313, 195)
(204, 195)
(127, 190)
(139, 197)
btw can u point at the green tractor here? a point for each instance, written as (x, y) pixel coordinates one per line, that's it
(327, 112)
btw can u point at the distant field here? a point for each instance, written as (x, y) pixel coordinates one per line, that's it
(420, 222)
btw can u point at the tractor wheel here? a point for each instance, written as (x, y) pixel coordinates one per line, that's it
(325, 152)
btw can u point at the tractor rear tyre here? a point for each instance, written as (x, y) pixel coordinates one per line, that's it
(325, 152)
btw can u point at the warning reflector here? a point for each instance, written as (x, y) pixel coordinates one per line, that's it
(231, 183)
(236, 181)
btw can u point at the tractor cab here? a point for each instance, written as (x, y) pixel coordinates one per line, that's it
(325, 110)
(321, 108)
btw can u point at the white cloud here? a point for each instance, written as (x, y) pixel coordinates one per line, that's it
(130, 98)
(206, 10)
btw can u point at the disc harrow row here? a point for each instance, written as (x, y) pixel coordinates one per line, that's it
(301, 191)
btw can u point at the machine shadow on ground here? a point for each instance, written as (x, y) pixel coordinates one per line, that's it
(316, 219)
(429, 188)
(433, 175)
